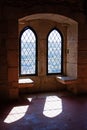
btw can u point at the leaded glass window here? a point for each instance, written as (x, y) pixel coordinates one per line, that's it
(54, 52)
(28, 55)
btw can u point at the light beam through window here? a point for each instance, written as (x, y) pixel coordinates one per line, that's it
(52, 107)
(16, 114)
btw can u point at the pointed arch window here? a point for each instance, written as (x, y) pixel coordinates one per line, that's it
(28, 52)
(54, 52)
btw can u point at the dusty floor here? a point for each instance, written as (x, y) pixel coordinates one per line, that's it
(47, 111)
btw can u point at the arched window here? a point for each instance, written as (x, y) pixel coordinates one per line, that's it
(28, 52)
(54, 52)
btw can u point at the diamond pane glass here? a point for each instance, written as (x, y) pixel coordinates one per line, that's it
(54, 52)
(28, 52)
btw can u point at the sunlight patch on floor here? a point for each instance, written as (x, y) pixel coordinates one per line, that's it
(16, 114)
(52, 107)
(29, 99)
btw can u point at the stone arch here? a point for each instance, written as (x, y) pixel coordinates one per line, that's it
(72, 38)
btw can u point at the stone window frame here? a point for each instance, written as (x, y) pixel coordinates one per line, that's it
(62, 39)
(71, 59)
(36, 50)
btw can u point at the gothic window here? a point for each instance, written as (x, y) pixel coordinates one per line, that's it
(54, 52)
(28, 52)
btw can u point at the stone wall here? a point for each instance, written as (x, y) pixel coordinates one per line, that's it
(9, 53)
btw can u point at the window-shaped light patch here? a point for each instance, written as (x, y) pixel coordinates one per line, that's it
(16, 114)
(52, 107)
(54, 52)
(25, 80)
(28, 52)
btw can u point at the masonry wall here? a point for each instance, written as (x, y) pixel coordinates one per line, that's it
(9, 53)
(43, 82)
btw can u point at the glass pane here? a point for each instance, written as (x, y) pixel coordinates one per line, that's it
(54, 52)
(28, 52)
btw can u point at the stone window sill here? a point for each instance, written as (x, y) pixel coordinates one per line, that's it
(66, 79)
(25, 82)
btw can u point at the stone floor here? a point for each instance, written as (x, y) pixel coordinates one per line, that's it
(46, 111)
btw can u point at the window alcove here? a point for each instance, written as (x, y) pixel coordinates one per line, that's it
(70, 45)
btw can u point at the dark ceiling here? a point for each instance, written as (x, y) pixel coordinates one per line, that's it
(78, 5)
(35, 2)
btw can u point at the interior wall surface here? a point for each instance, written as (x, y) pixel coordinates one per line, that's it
(9, 43)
